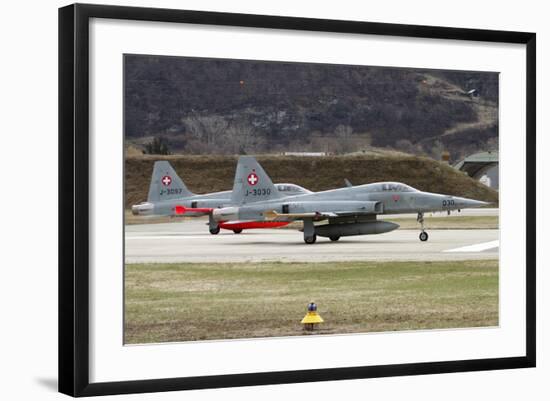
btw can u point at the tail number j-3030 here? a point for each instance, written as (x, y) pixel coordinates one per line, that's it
(258, 192)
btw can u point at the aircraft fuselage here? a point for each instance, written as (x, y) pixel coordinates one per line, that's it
(374, 199)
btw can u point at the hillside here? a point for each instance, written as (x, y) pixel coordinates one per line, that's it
(217, 106)
(215, 173)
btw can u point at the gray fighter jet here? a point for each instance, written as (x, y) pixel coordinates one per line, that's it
(168, 196)
(335, 213)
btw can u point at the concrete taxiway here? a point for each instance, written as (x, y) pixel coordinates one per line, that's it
(190, 241)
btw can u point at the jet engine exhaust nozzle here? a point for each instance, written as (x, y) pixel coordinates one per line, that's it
(143, 209)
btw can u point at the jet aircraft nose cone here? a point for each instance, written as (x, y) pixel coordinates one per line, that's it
(465, 202)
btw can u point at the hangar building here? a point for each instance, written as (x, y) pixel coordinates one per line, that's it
(481, 166)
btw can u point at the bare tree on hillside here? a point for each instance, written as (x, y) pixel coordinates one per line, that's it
(407, 146)
(207, 130)
(437, 150)
(242, 138)
(158, 146)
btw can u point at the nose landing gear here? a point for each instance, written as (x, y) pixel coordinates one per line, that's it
(423, 234)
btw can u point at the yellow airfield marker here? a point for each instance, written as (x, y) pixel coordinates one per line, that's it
(311, 318)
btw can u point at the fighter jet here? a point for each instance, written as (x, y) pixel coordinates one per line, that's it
(168, 196)
(335, 213)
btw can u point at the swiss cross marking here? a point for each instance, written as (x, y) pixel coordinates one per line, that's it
(166, 180)
(252, 179)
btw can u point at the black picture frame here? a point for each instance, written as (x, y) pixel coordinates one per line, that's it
(74, 198)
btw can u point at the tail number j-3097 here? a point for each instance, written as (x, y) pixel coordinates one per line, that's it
(258, 192)
(171, 191)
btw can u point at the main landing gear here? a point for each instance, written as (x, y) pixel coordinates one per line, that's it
(311, 239)
(213, 226)
(309, 232)
(423, 234)
(238, 231)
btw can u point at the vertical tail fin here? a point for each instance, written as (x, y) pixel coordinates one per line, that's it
(252, 184)
(165, 183)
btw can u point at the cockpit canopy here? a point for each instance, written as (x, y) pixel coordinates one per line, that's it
(394, 187)
(292, 189)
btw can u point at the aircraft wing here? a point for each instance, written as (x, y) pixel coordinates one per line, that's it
(273, 215)
(317, 216)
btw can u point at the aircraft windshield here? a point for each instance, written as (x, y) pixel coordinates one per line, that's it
(292, 189)
(397, 187)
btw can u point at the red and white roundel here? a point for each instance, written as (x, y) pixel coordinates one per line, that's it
(252, 179)
(166, 180)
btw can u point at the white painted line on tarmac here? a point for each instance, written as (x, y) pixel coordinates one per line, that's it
(141, 233)
(476, 247)
(182, 237)
(174, 237)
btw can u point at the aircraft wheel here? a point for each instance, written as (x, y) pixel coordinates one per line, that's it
(334, 238)
(215, 231)
(238, 231)
(423, 236)
(310, 240)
